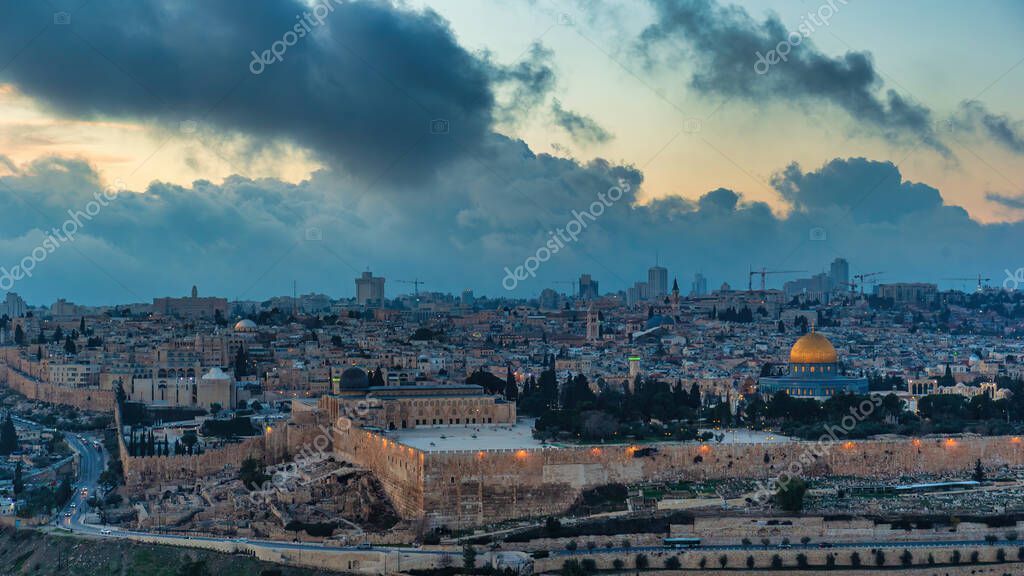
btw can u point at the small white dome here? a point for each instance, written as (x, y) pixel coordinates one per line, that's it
(245, 325)
(216, 373)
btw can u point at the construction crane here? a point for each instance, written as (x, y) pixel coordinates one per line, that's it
(979, 279)
(571, 283)
(861, 278)
(415, 284)
(763, 272)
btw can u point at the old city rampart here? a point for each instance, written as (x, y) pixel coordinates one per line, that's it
(469, 488)
(29, 379)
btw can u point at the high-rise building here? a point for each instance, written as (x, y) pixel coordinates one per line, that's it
(13, 306)
(587, 287)
(839, 274)
(370, 290)
(699, 286)
(657, 282)
(637, 293)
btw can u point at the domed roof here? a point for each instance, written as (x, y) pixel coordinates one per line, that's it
(245, 325)
(354, 379)
(813, 348)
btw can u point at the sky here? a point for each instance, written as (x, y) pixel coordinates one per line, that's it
(504, 146)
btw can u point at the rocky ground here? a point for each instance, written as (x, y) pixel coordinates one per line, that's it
(30, 552)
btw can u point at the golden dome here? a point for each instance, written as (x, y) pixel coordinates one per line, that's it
(813, 348)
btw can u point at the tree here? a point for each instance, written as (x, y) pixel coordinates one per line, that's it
(19, 484)
(251, 474)
(776, 562)
(723, 560)
(468, 559)
(750, 562)
(907, 559)
(641, 562)
(511, 388)
(879, 558)
(8, 437)
(790, 495)
(979, 471)
(69, 345)
(19, 335)
(855, 559)
(618, 564)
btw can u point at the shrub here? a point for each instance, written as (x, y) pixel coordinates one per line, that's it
(906, 558)
(570, 545)
(589, 565)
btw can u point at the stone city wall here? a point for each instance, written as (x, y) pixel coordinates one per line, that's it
(469, 488)
(399, 467)
(27, 378)
(278, 445)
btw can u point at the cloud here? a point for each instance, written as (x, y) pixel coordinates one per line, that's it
(974, 116)
(867, 190)
(582, 129)
(1011, 202)
(247, 238)
(529, 82)
(723, 42)
(360, 90)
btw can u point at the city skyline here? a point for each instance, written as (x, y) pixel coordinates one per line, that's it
(452, 179)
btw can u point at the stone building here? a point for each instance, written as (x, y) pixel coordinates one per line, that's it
(400, 407)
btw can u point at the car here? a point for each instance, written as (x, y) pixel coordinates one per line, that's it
(105, 531)
(363, 546)
(825, 545)
(242, 540)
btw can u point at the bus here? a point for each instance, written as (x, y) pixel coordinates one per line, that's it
(682, 542)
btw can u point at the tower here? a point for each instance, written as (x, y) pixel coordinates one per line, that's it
(675, 296)
(593, 325)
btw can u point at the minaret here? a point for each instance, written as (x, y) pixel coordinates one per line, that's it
(593, 325)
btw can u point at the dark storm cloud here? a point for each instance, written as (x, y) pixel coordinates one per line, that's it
(359, 90)
(974, 116)
(248, 238)
(529, 80)
(582, 129)
(1012, 202)
(867, 190)
(722, 43)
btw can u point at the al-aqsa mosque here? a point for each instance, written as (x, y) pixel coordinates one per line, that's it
(813, 372)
